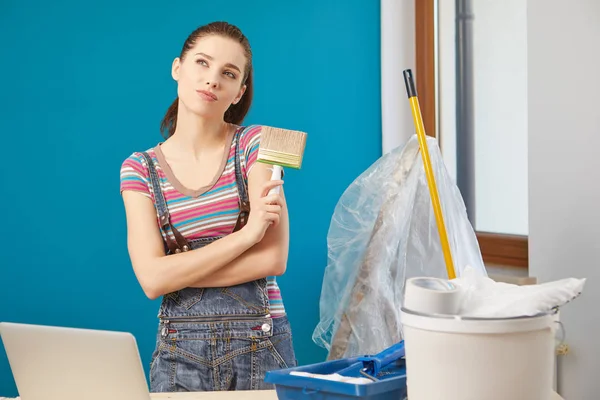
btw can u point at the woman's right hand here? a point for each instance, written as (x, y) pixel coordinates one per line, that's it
(264, 213)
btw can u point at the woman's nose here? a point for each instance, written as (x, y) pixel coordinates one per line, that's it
(213, 83)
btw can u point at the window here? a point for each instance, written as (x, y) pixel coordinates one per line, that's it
(491, 165)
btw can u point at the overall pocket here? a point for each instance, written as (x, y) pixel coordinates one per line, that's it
(185, 298)
(282, 349)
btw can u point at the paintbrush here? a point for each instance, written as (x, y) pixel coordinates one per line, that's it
(281, 148)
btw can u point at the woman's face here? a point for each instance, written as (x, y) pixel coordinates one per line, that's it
(210, 76)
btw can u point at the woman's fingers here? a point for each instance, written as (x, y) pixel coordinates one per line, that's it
(273, 208)
(267, 186)
(273, 218)
(273, 199)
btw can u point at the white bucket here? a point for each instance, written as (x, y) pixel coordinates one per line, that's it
(454, 358)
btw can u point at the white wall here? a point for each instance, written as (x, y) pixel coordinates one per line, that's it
(500, 90)
(564, 183)
(446, 95)
(397, 54)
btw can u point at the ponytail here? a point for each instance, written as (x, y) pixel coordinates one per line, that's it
(169, 122)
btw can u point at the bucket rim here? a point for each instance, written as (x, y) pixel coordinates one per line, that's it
(482, 319)
(473, 325)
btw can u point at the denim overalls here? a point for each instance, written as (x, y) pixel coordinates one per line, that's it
(215, 338)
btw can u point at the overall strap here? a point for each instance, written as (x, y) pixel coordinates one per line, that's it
(164, 217)
(243, 201)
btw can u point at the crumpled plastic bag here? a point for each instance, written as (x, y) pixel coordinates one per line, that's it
(483, 297)
(383, 231)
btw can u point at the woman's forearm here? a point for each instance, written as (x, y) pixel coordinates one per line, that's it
(260, 261)
(163, 274)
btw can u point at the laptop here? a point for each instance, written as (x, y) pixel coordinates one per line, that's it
(59, 363)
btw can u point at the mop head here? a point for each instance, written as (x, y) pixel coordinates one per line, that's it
(483, 297)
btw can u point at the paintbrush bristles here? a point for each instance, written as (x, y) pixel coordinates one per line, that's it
(282, 147)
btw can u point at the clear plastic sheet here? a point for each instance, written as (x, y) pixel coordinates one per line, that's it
(383, 231)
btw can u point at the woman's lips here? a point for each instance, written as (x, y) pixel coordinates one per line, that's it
(206, 95)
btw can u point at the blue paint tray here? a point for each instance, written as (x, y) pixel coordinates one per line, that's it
(390, 384)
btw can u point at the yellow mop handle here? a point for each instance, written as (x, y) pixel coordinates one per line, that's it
(437, 209)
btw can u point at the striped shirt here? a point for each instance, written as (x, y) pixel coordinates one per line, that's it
(205, 212)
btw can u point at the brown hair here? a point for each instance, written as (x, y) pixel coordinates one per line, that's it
(236, 112)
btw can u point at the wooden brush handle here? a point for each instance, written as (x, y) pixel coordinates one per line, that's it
(276, 175)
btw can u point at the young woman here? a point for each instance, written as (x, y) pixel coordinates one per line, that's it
(192, 238)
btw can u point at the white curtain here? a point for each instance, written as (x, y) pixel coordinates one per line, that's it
(397, 54)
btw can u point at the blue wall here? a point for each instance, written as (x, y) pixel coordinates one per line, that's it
(82, 86)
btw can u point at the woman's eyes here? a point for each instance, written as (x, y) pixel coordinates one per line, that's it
(204, 63)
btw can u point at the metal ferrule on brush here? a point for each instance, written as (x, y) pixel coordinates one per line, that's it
(280, 158)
